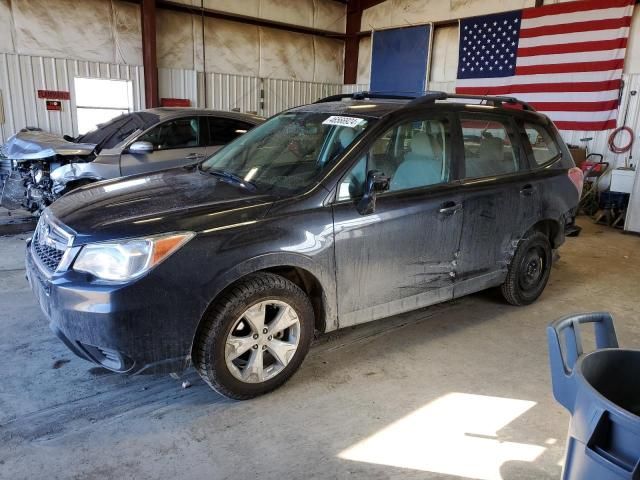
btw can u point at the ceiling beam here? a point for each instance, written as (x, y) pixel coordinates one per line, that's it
(246, 19)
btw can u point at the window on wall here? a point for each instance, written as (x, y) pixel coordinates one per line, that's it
(99, 100)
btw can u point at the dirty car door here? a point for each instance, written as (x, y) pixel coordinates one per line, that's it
(175, 143)
(401, 256)
(498, 200)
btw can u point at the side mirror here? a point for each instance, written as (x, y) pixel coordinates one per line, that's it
(141, 147)
(377, 182)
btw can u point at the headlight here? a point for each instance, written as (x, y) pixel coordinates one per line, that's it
(128, 259)
(37, 175)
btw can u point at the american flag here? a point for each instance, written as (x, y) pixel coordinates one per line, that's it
(564, 59)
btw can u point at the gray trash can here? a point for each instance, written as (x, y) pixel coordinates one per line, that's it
(601, 389)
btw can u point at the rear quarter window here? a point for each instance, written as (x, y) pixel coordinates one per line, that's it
(544, 147)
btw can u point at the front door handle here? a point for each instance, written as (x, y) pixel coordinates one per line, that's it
(449, 208)
(194, 156)
(527, 190)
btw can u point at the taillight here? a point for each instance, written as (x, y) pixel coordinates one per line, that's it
(577, 178)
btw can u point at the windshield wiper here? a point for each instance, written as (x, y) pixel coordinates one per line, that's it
(229, 176)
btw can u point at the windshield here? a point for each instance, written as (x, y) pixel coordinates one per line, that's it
(289, 152)
(113, 132)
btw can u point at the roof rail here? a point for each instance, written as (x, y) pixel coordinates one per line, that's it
(495, 101)
(428, 97)
(363, 95)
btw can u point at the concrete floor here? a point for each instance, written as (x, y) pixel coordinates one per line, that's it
(459, 390)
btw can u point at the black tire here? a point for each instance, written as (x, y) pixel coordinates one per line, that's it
(529, 270)
(209, 346)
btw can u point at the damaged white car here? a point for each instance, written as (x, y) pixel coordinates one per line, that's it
(45, 166)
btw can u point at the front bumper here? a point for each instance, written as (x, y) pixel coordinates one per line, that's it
(143, 327)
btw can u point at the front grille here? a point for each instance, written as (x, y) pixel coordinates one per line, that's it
(49, 256)
(49, 244)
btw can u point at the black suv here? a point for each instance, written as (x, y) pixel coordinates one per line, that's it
(351, 209)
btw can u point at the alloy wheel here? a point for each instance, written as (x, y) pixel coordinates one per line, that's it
(262, 341)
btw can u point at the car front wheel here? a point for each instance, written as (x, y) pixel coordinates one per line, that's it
(529, 270)
(255, 337)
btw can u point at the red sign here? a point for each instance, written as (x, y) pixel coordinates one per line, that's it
(175, 102)
(57, 94)
(55, 105)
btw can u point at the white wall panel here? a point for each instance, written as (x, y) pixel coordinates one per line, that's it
(93, 30)
(22, 75)
(283, 94)
(233, 92)
(180, 83)
(364, 60)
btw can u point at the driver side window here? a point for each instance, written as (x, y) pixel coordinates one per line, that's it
(178, 133)
(412, 155)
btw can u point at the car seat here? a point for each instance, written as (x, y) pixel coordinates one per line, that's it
(421, 166)
(345, 137)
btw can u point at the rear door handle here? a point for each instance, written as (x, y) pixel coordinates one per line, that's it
(527, 190)
(449, 208)
(194, 156)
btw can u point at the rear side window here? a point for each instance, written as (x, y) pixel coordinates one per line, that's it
(223, 130)
(488, 150)
(544, 147)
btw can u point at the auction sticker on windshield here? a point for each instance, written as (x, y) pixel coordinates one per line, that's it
(351, 122)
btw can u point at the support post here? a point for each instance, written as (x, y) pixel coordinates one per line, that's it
(149, 55)
(352, 42)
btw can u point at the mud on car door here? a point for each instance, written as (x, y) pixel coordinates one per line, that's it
(402, 254)
(500, 200)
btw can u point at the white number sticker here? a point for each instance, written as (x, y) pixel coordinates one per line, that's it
(350, 122)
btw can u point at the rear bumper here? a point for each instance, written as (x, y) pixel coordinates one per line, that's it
(134, 328)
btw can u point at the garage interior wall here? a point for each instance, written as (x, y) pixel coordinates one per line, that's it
(49, 42)
(444, 64)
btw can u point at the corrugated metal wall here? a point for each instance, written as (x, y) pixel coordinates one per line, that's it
(228, 92)
(282, 94)
(21, 76)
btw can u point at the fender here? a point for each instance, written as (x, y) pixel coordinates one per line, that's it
(320, 272)
(72, 172)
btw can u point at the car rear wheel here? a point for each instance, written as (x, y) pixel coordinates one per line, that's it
(529, 270)
(255, 337)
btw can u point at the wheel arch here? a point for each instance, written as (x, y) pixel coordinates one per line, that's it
(549, 227)
(299, 269)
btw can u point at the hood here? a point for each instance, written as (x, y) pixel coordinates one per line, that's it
(170, 200)
(37, 145)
